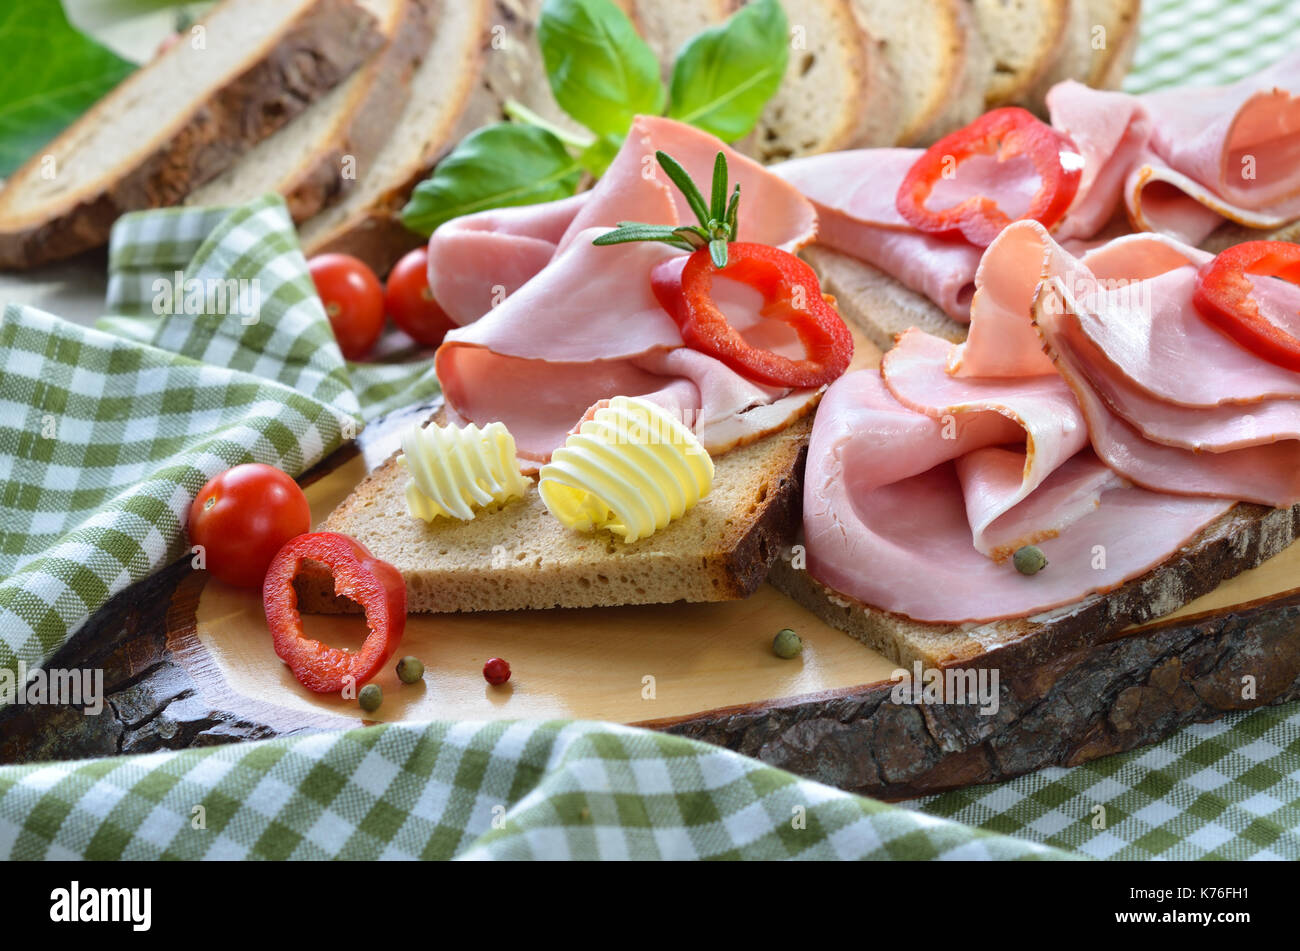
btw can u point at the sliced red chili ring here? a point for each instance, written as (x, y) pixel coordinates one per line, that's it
(791, 293)
(1004, 133)
(1224, 296)
(375, 585)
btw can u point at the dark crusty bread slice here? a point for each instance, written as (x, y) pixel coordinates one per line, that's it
(519, 556)
(1242, 538)
(179, 121)
(441, 108)
(315, 158)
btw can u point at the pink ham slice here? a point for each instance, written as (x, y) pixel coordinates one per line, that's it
(854, 192)
(586, 325)
(1184, 160)
(477, 260)
(1122, 332)
(886, 502)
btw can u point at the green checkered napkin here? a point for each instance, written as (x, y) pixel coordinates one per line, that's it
(466, 790)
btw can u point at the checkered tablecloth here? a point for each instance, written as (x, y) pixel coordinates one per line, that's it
(146, 407)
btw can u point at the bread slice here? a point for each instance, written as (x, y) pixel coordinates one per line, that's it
(936, 60)
(667, 24)
(314, 159)
(179, 121)
(513, 68)
(1240, 539)
(837, 91)
(1111, 50)
(1025, 38)
(365, 223)
(519, 556)
(1073, 59)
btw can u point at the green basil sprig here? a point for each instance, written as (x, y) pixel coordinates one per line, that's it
(495, 167)
(725, 75)
(603, 75)
(601, 72)
(717, 225)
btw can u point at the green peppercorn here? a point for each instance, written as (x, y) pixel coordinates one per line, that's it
(410, 670)
(1029, 560)
(370, 697)
(787, 644)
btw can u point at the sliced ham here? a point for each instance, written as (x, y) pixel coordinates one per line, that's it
(886, 514)
(585, 325)
(1091, 412)
(853, 193)
(1178, 163)
(477, 260)
(1171, 403)
(1184, 160)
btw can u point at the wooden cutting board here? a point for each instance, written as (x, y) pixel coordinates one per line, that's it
(707, 670)
(188, 662)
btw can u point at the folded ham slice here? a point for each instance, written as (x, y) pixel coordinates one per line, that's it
(1089, 400)
(477, 260)
(1179, 163)
(889, 495)
(1171, 403)
(574, 324)
(1188, 158)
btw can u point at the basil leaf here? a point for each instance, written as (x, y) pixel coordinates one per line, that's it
(725, 75)
(52, 74)
(496, 167)
(601, 72)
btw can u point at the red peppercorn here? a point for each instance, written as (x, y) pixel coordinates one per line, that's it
(496, 671)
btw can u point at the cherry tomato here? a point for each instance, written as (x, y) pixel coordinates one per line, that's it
(353, 299)
(410, 303)
(243, 517)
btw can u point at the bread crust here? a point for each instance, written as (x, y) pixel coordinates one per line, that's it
(323, 45)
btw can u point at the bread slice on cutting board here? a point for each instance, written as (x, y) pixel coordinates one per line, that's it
(838, 90)
(519, 556)
(1242, 538)
(179, 121)
(314, 159)
(937, 60)
(441, 108)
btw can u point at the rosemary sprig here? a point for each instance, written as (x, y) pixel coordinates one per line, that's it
(717, 227)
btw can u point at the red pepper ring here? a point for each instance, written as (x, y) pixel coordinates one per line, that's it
(1005, 133)
(375, 585)
(791, 293)
(1224, 296)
